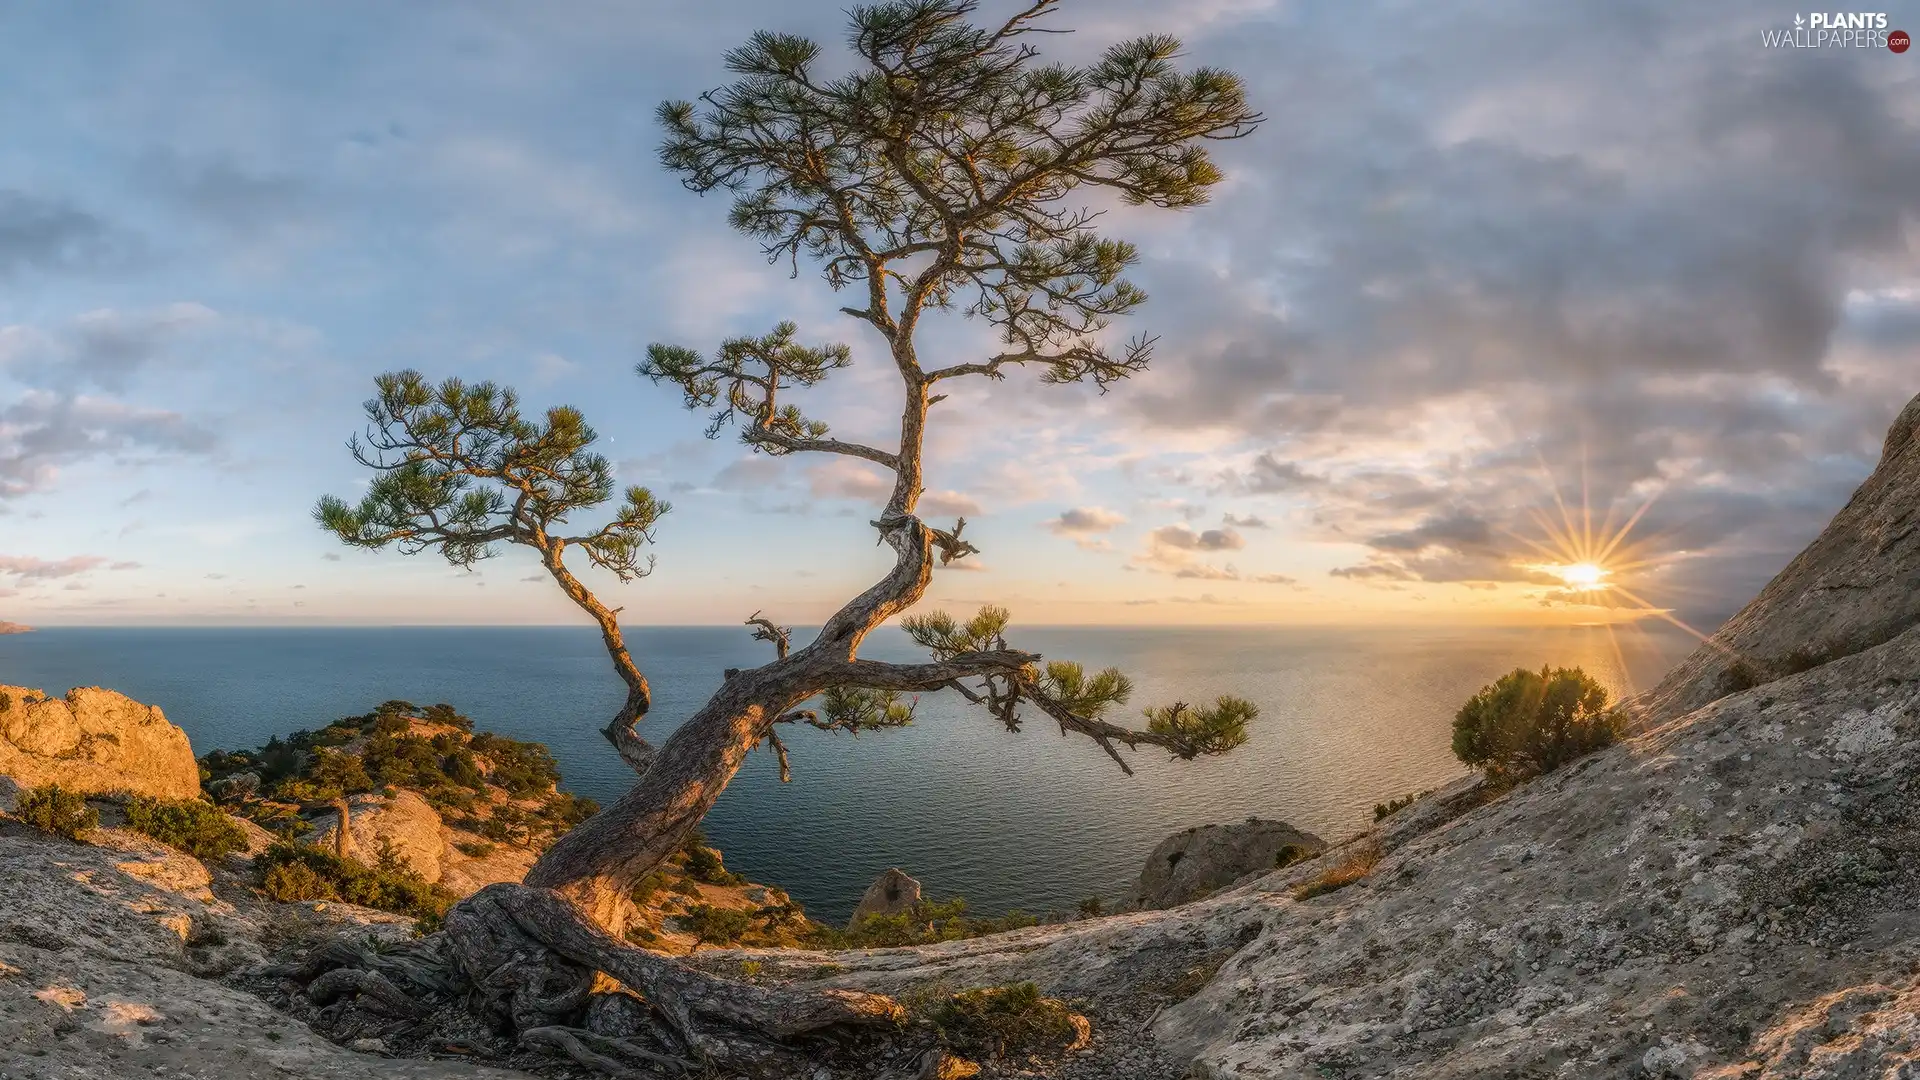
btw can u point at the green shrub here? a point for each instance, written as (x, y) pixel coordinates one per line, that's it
(293, 871)
(703, 864)
(523, 768)
(644, 889)
(1005, 1021)
(462, 769)
(474, 849)
(1385, 810)
(334, 773)
(711, 925)
(52, 808)
(1529, 722)
(198, 828)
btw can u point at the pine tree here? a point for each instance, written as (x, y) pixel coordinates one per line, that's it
(947, 173)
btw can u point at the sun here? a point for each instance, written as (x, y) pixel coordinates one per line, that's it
(1586, 576)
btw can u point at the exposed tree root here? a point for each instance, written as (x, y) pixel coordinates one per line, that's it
(534, 962)
(604, 1053)
(376, 992)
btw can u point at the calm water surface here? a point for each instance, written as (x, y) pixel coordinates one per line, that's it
(1030, 820)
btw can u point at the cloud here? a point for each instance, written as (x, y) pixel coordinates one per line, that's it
(750, 473)
(846, 478)
(1641, 280)
(1172, 550)
(1204, 572)
(30, 568)
(1083, 524)
(221, 192)
(1184, 538)
(46, 236)
(1268, 475)
(1085, 520)
(552, 367)
(1250, 521)
(945, 504)
(45, 432)
(102, 348)
(330, 556)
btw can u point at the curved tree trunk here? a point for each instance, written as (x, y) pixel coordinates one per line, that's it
(597, 863)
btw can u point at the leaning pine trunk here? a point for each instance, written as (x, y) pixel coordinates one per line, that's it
(597, 864)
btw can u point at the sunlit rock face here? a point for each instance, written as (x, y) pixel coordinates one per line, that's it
(93, 741)
(1854, 587)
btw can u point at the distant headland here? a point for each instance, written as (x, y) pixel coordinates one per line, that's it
(14, 628)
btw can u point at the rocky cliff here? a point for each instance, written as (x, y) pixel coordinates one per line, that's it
(93, 741)
(1854, 587)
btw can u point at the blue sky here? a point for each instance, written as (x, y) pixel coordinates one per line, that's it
(1477, 252)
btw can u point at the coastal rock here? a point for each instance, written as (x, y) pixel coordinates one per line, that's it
(93, 741)
(890, 894)
(1193, 863)
(1854, 587)
(402, 823)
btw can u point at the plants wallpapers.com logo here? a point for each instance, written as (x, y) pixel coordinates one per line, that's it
(1838, 30)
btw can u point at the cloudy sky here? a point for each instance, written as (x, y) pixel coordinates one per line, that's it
(1483, 258)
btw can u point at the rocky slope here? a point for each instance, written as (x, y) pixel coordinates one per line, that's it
(93, 741)
(108, 958)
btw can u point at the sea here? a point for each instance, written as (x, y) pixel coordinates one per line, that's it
(1030, 820)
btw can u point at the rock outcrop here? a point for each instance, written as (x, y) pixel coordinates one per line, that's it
(402, 824)
(1854, 587)
(1189, 865)
(890, 894)
(407, 826)
(93, 741)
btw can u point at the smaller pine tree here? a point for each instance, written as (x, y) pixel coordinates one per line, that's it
(1532, 722)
